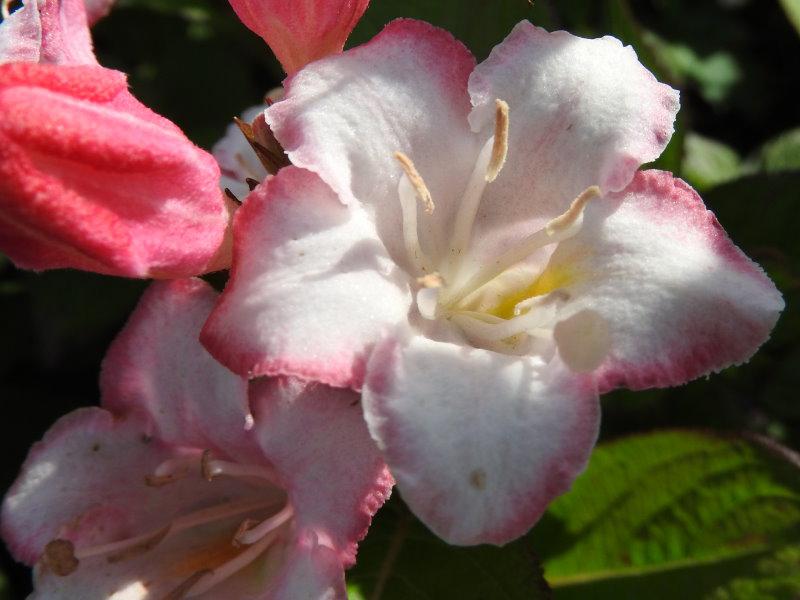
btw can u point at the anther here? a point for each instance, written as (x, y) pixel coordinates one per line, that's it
(565, 221)
(500, 145)
(423, 193)
(252, 183)
(59, 557)
(431, 280)
(205, 466)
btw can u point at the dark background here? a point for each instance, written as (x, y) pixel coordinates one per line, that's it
(735, 62)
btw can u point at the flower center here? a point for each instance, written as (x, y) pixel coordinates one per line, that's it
(448, 291)
(212, 563)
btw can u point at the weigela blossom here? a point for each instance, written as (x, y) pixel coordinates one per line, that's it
(183, 487)
(475, 248)
(301, 32)
(89, 177)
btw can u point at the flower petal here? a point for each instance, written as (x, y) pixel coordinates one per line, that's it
(311, 287)
(86, 482)
(316, 438)
(157, 366)
(582, 112)
(301, 32)
(21, 35)
(479, 442)
(346, 116)
(91, 179)
(311, 571)
(679, 298)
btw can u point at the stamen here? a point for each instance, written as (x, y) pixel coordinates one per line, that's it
(566, 221)
(557, 230)
(247, 536)
(500, 144)
(468, 207)
(239, 562)
(416, 180)
(216, 468)
(139, 544)
(408, 206)
(5, 12)
(171, 470)
(490, 161)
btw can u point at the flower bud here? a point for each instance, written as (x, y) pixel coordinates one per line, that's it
(301, 32)
(92, 179)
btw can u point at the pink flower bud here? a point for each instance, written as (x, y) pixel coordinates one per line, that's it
(301, 32)
(92, 179)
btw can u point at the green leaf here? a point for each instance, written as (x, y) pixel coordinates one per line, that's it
(782, 153)
(670, 513)
(707, 162)
(792, 9)
(401, 560)
(715, 74)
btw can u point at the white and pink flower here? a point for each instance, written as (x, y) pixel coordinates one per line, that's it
(183, 487)
(474, 248)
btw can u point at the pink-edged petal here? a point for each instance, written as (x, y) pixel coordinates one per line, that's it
(86, 482)
(311, 287)
(21, 35)
(344, 118)
(680, 300)
(311, 571)
(92, 179)
(582, 112)
(156, 365)
(478, 442)
(237, 159)
(301, 32)
(316, 438)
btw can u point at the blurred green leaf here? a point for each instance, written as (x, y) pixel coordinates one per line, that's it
(792, 9)
(707, 162)
(781, 153)
(401, 560)
(661, 514)
(715, 74)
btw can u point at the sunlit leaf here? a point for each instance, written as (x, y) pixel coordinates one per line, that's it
(707, 162)
(670, 513)
(714, 74)
(782, 153)
(792, 9)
